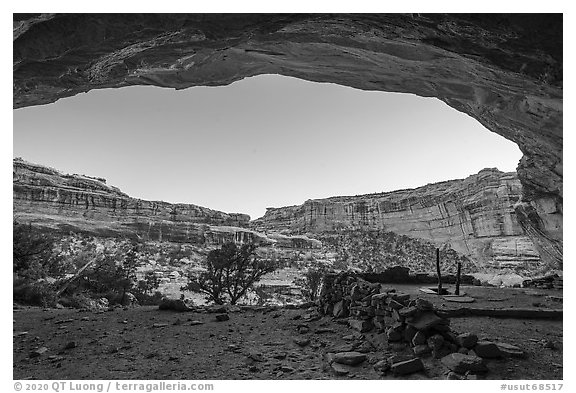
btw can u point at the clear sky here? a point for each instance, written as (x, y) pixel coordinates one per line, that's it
(266, 141)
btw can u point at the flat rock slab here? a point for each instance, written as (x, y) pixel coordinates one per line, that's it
(349, 358)
(433, 291)
(487, 349)
(407, 367)
(510, 350)
(460, 363)
(340, 369)
(459, 299)
(425, 320)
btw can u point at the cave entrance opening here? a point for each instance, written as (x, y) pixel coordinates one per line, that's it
(263, 141)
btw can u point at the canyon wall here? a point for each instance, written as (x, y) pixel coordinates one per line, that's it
(76, 203)
(474, 216)
(472, 220)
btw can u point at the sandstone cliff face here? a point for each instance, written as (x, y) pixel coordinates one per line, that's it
(475, 216)
(77, 203)
(505, 70)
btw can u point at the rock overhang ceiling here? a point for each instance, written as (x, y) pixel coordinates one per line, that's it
(505, 70)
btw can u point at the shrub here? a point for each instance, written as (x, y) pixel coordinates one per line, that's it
(112, 275)
(37, 293)
(230, 273)
(32, 253)
(311, 282)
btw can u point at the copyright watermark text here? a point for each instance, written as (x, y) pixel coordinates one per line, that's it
(110, 386)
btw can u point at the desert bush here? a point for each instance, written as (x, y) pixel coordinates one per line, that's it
(33, 255)
(112, 275)
(35, 293)
(311, 282)
(231, 272)
(147, 299)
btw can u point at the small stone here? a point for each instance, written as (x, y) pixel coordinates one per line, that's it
(487, 349)
(511, 350)
(301, 342)
(409, 333)
(159, 325)
(423, 304)
(349, 358)
(365, 347)
(340, 369)
(455, 376)
(393, 335)
(407, 367)
(256, 356)
(549, 344)
(419, 339)
(63, 321)
(435, 342)
(353, 336)
(287, 369)
(461, 363)
(382, 366)
(38, 352)
(467, 340)
(324, 330)
(303, 329)
(421, 350)
(222, 317)
(71, 344)
(338, 310)
(361, 325)
(407, 312)
(194, 323)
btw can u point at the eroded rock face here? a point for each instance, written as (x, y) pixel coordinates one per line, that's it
(49, 198)
(503, 70)
(476, 216)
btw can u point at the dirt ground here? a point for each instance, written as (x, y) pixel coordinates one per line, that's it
(146, 343)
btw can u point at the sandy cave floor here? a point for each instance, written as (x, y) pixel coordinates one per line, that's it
(146, 343)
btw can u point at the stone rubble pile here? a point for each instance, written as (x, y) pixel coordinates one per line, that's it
(552, 281)
(370, 307)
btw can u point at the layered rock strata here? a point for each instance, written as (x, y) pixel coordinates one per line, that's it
(475, 216)
(76, 203)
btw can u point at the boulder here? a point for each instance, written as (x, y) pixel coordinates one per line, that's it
(338, 310)
(393, 335)
(460, 363)
(179, 305)
(407, 367)
(487, 349)
(419, 339)
(466, 340)
(222, 317)
(425, 320)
